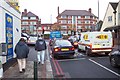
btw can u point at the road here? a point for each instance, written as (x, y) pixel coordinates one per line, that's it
(81, 66)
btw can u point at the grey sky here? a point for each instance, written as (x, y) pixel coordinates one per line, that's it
(47, 9)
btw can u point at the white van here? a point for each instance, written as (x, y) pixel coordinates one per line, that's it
(95, 42)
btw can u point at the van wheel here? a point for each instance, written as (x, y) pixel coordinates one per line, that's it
(88, 52)
(106, 53)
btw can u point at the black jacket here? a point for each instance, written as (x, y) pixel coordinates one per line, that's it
(40, 45)
(21, 50)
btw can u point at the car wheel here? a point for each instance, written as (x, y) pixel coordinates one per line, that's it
(113, 61)
(88, 52)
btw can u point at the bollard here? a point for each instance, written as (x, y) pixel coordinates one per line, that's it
(1, 70)
(35, 71)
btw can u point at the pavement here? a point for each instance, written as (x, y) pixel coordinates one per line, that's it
(43, 71)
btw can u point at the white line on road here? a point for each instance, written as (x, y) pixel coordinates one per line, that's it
(105, 67)
(71, 59)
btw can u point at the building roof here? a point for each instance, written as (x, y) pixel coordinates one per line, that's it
(77, 13)
(29, 14)
(114, 5)
(112, 28)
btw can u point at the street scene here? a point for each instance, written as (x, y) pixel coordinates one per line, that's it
(78, 45)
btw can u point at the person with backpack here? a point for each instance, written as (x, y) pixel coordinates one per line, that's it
(40, 47)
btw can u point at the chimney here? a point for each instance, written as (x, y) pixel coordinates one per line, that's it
(58, 10)
(90, 10)
(25, 11)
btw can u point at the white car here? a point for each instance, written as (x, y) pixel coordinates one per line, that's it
(32, 39)
(25, 35)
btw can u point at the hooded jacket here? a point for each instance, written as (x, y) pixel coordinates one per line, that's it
(21, 50)
(40, 45)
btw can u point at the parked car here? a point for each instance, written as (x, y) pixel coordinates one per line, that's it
(115, 57)
(62, 48)
(115, 53)
(32, 40)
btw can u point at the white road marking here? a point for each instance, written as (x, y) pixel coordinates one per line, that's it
(103, 57)
(78, 54)
(72, 59)
(105, 67)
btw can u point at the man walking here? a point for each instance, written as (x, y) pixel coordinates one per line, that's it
(40, 47)
(21, 50)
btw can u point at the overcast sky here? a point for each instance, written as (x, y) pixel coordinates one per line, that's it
(47, 9)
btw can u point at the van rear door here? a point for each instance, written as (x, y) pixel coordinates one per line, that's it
(102, 40)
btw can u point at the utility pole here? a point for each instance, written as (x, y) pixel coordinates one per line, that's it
(98, 15)
(98, 10)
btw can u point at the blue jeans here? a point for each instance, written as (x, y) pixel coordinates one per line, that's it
(41, 56)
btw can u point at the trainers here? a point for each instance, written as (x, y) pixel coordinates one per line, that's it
(39, 62)
(23, 70)
(42, 62)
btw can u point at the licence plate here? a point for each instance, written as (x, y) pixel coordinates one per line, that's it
(96, 46)
(64, 49)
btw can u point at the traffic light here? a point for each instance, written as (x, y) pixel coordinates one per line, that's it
(43, 31)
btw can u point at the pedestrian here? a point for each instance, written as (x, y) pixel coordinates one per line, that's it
(22, 51)
(40, 47)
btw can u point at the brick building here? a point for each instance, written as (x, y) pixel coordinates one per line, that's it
(76, 21)
(29, 22)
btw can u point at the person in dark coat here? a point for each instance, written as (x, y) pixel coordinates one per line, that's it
(22, 51)
(40, 47)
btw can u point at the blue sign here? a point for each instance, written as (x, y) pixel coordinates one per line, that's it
(55, 34)
(9, 35)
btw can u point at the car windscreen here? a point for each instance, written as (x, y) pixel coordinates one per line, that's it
(63, 43)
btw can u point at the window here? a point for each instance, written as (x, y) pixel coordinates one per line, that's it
(94, 17)
(33, 23)
(25, 28)
(35, 28)
(33, 18)
(63, 21)
(48, 28)
(119, 16)
(79, 17)
(87, 27)
(39, 28)
(87, 17)
(79, 22)
(63, 32)
(24, 23)
(87, 22)
(25, 18)
(69, 21)
(63, 27)
(63, 17)
(69, 17)
(79, 27)
(109, 18)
